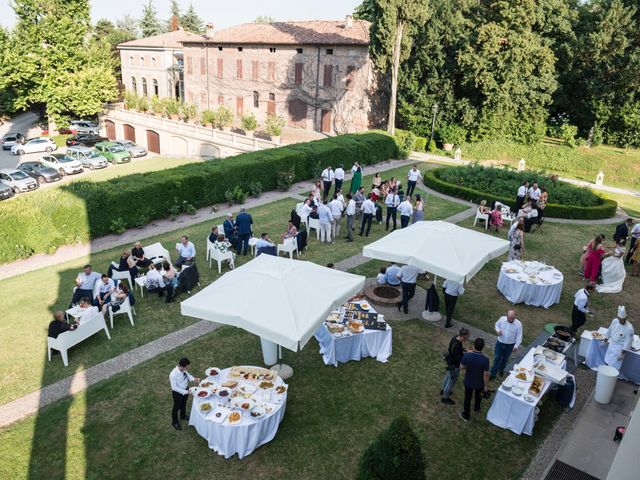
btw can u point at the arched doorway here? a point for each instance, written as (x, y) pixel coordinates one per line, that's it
(209, 150)
(129, 133)
(179, 146)
(110, 127)
(153, 141)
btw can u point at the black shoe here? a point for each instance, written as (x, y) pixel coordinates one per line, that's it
(360, 234)
(492, 377)
(186, 419)
(441, 392)
(448, 325)
(447, 401)
(476, 409)
(177, 426)
(462, 415)
(349, 240)
(399, 305)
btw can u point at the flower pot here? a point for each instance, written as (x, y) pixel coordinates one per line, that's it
(208, 125)
(248, 133)
(275, 138)
(174, 116)
(447, 147)
(226, 129)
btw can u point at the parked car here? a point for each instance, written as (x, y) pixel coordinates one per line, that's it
(86, 139)
(41, 172)
(88, 157)
(135, 150)
(18, 180)
(64, 164)
(114, 152)
(34, 145)
(5, 191)
(84, 126)
(11, 139)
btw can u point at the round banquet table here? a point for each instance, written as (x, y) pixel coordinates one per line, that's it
(516, 284)
(242, 438)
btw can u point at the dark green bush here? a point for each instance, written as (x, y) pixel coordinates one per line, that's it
(476, 183)
(421, 144)
(395, 455)
(46, 219)
(406, 142)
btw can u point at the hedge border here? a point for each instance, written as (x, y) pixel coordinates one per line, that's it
(606, 209)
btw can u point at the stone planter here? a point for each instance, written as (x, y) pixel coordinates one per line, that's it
(447, 147)
(226, 129)
(276, 139)
(249, 133)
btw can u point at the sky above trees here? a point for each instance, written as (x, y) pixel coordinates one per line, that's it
(222, 14)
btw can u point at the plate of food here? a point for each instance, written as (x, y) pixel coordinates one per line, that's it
(550, 354)
(234, 418)
(265, 385)
(529, 398)
(203, 393)
(597, 336)
(224, 392)
(536, 386)
(247, 388)
(219, 414)
(355, 326)
(252, 374)
(334, 317)
(243, 403)
(280, 389)
(206, 407)
(258, 411)
(364, 306)
(206, 383)
(212, 372)
(230, 383)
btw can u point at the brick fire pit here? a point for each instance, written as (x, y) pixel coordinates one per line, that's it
(383, 294)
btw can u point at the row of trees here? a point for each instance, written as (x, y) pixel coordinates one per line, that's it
(504, 68)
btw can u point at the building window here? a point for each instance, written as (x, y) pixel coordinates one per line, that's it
(134, 85)
(329, 51)
(155, 87)
(239, 69)
(298, 50)
(220, 67)
(189, 65)
(272, 50)
(298, 74)
(271, 74)
(272, 97)
(153, 61)
(328, 76)
(239, 106)
(220, 99)
(239, 49)
(219, 49)
(351, 75)
(131, 60)
(271, 104)
(142, 61)
(144, 87)
(297, 112)
(203, 68)
(256, 100)
(255, 67)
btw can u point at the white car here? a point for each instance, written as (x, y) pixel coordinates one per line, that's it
(62, 163)
(135, 150)
(88, 157)
(34, 145)
(84, 126)
(18, 180)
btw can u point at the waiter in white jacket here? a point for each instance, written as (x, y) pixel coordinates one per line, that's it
(620, 337)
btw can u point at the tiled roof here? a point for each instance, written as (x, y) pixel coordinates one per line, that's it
(316, 32)
(166, 40)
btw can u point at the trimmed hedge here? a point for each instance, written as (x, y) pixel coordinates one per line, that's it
(604, 209)
(44, 220)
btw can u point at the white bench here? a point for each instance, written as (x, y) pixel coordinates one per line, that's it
(70, 338)
(157, 253)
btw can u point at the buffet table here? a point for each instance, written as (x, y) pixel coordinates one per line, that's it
(258, 402)
(516, 411)
(597, 349)
(347, 345)
(532, 283)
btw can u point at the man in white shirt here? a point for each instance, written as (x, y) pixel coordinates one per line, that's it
(327, 177)
(408, 275)
(635, 237)
(87, 311)
(534, 193)
(155, 280)
(85, 282)
(522, 193)
(264, 241)
(581, 307)
(406, 211)
(509, 331)
(351, 216)
(336, 208)
(339, 177)
(413, 177)
(326, 219)
(620, 337)
(452, 290)
(392, 200)
(368, 211)
(186, 252)
(107, 287)
(179, 379)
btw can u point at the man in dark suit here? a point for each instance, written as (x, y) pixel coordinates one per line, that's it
(58, 326)
(230, 230)
(622, 230)
(243, 224)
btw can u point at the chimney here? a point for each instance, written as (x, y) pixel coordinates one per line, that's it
(348, 21)
(208, 32)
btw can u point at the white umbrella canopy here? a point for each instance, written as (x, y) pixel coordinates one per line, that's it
(280, 300)
(441, 248)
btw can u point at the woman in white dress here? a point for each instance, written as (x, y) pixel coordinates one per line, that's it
(613, 272)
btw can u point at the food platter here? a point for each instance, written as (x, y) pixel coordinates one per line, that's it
(252, 373)
(597, 336)
(203, 393)
(212, 372)
(234, 417)
(247, 388)
(206, 407)
(224, 392)
(243, 403)
(536, 386)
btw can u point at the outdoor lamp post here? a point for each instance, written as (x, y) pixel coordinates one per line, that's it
(434, 109)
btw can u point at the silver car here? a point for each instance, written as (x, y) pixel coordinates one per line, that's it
(135, 150)
(18, 180)
(88, 157)
(84, 126)
(5, 191)
(11, 139)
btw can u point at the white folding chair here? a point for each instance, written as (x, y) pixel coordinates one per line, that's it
(210, 248)
(220, 257)
(289, 246)
(118, 275)
(314, 223)
(252, 245)
(481, 216)
(125, 307)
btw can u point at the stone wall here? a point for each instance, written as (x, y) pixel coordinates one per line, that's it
(148, 64)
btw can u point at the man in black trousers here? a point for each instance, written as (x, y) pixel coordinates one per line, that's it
(452, 290)
(179, 379)
(476, 377)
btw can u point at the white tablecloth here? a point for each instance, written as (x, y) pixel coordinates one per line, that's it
(242, 438)
(517, 286)
(514, 412)
(336, 348)
(596, 351)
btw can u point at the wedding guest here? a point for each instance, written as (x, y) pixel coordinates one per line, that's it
(476, 375)
(116, 300)
(213, 236)
(368, 211)
(350, 214)
(126, 263)
(155, 281)
(264, 241)
(635, 260)
(542, 201)
(85, 282)
(509, 331)
(586, 249)
(522, 194)
(179, 379)
(295, 219)
(392, 275)
(534, 193)
(87, 311)
(635, 237)
(137, 252)
(622, 230)
(58, 326)
(482, 208)
(452, 290)
(381, 279)
(516, 248)
(495, 219)
(230, 229)
(377, 181)
(408, 276)
(406, 211)
(291, 232)
(392, 200)
(107, 287)
(327, 177)
(418, 210)
(244, 221)
(306, 208)
(594, 260)
(359, 198)
(356, 180)
(186, 252)
(413, 177)
(337, 207)
(455, 352)
(326, 219)
(339, 177)
(170, 278)
(316, 191)
(384, 189)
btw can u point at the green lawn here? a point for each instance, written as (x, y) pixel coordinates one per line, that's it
(121, 428)
(629, 203)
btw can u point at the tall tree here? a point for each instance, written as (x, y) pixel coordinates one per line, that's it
(394, 22)
(263, 19)
(149, 23)
(191, 22)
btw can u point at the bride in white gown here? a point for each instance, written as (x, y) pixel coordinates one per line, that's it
(613, 272)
